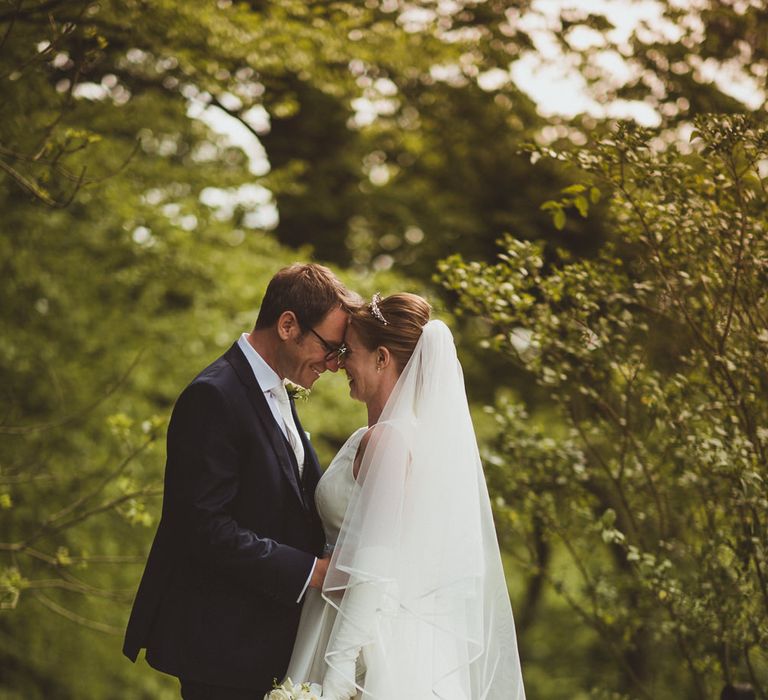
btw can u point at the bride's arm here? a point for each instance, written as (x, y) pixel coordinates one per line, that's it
(367, 555)
(360, 603)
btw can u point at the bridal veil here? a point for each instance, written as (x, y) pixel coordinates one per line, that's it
(416, 576)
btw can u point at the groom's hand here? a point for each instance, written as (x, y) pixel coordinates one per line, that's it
(318, 575)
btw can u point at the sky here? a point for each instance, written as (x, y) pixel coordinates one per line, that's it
(560, 90)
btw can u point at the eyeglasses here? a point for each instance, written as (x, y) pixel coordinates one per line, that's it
(333, 352)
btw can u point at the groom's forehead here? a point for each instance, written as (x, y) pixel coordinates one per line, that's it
(334, 325)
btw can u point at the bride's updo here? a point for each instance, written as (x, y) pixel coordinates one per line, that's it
(395, 322)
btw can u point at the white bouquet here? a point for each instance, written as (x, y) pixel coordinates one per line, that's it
(300, 691)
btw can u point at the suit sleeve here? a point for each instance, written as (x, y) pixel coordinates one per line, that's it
(205, 449)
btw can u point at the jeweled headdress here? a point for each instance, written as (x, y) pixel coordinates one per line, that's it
(374, 307)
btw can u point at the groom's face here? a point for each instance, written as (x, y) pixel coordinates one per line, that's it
(305, 352)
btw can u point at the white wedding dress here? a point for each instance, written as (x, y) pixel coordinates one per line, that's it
(332, 496)
(415, 602)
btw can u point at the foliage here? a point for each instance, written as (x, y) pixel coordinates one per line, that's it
(114, 293)
(135, 240)
(88, 382)
(654, 355)
(89, 379)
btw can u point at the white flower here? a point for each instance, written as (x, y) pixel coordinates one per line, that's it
(299, 691)
(279, 694)
(309, 692)
(282, 692)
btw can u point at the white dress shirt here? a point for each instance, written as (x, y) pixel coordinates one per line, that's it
(269, 380)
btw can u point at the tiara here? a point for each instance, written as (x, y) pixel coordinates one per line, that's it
(374, 307)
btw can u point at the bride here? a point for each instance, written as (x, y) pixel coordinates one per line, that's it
(415, 603)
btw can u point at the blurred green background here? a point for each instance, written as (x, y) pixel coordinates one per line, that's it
(160, 161)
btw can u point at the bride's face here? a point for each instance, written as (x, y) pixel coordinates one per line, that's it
(360, 365)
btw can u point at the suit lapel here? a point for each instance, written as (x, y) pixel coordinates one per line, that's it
(311, 463)
(310, 477)
(257, 399)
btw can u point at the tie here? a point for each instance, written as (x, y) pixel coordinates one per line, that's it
(284, 404)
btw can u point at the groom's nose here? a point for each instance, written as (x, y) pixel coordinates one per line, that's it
(332, 364)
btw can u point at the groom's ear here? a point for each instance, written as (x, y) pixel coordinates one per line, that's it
(287, 325)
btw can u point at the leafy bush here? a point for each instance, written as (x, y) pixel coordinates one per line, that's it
(653, 478)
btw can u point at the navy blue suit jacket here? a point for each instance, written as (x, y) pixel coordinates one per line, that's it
(236, 541)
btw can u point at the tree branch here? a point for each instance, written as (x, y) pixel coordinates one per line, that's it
(74, 617)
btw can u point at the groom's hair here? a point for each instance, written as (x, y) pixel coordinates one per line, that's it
(309, 290)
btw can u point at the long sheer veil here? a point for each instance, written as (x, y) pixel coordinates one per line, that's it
(416, 575)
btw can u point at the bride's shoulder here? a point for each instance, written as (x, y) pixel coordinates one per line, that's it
(353, 441)
(357, 436)
(346, 453)
(399, 429)
(390, 436)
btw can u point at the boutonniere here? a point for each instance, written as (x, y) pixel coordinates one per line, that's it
(296, 391)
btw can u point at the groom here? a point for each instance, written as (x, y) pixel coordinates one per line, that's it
(239, 539)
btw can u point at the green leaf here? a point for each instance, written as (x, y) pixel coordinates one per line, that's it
(63, 557)
(582, 205)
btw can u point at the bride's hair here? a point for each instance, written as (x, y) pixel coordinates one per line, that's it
(395, 322)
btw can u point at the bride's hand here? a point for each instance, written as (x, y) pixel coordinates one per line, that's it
(319, 572)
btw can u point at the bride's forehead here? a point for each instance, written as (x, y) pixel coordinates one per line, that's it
(354, 340)
(351, 337)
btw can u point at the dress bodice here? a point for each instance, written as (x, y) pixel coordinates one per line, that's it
(335, 487)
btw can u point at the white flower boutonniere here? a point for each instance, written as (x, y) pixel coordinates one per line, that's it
(296, 391)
